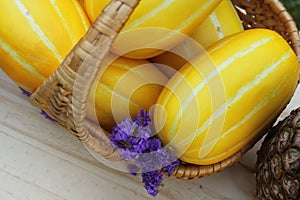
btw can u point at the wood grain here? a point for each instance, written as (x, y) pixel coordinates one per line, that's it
(41, 160)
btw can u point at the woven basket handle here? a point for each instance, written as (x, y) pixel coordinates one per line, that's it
(64, 95)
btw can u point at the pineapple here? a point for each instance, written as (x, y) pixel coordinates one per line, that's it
(278, 162)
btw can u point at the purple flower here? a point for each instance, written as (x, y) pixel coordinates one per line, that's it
(151, 181)
(154, 144)
(25, 92)
(169, 169)
(119, 139)
(47, 116)
(139, 146)
(148, 162)
(121, 134)
(143, 132)
(125, 136)
(143, 118)
(133, 169)
(165, 157)
(127, 126)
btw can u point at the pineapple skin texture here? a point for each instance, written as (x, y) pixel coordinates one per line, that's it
(278, 162)
(158, 18)
(36, 35)
(221, 101)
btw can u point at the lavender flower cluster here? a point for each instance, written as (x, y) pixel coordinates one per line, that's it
(139, 146)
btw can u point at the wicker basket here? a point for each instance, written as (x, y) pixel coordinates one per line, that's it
(64, 95)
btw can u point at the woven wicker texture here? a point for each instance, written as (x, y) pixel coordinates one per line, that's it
(64, 95)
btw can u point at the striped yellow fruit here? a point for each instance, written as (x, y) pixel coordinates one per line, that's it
(36, 35)
(216, 105)
(222, 22)
(148, 30)
(125, 86)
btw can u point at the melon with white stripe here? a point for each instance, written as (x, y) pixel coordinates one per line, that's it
(36, 35)
(125, 86)
(155, 24)
(222, 22)
(223, 99)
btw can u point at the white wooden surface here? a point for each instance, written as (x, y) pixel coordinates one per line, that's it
(39, 160)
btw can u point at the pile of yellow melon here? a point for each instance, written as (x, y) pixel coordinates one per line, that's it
(211, 86)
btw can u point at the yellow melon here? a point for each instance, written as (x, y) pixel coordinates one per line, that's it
(222, 22)
(154, 26)
(36, 35)
(125, 86)
(222, 100)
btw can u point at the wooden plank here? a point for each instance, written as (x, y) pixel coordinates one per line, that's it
(41, 160)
